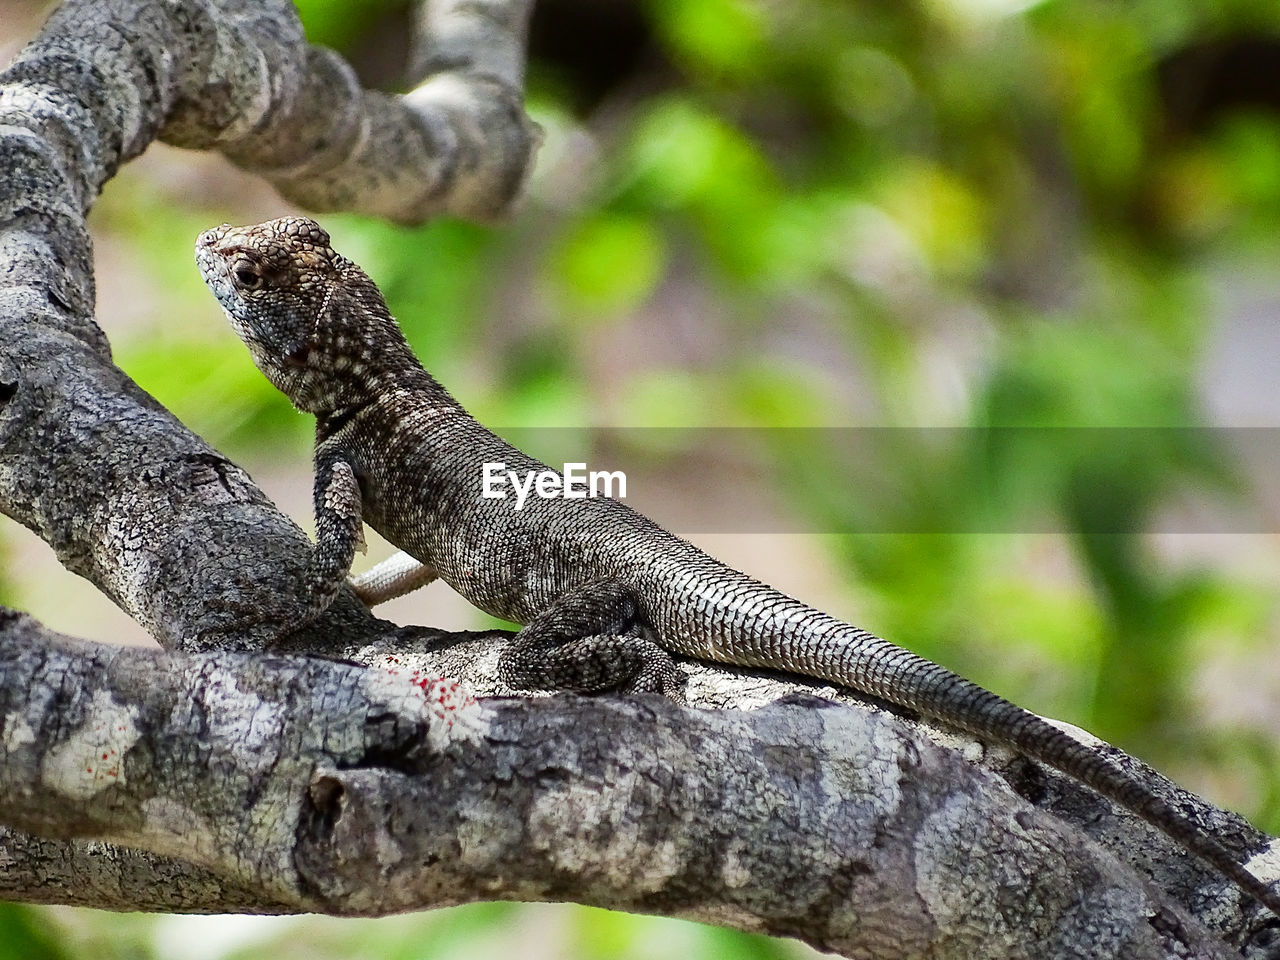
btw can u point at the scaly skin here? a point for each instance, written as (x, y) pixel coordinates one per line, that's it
(603, 592)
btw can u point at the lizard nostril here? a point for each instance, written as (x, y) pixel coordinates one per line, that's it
(211, 236)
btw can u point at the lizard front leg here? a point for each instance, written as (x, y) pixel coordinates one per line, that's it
(590, 640)
(339, 534)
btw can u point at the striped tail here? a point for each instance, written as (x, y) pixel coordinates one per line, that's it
(912, 681)
(737, 620)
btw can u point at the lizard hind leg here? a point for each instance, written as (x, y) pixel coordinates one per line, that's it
(590, 640)
(394, 577)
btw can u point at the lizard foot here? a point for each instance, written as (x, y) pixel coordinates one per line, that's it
(593, 664)
(660, 675)
(590, 640)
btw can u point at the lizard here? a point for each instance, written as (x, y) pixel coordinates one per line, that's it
(604, 595)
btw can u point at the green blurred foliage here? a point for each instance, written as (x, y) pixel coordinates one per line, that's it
(25, 936)
(974, 213)
(33, 933)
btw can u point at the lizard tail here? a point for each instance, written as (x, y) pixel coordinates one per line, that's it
(761, 627)
(939, 693)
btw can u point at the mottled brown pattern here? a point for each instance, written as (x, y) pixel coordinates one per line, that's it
(601, 589)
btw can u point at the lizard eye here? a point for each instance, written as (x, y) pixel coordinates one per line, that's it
(247, 275)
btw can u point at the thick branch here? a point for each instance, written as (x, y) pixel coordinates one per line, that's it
(93, 873)
(295, 784)
(479, 38)
(332, 787)
(107, 78)
(173, 532)
(177, 535)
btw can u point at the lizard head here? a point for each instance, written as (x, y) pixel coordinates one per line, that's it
(315, 324)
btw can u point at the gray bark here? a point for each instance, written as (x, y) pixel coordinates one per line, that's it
(337, 788)
(220, 775)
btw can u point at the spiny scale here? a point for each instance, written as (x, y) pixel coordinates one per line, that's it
(602, 590)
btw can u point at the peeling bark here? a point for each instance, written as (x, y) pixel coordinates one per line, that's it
(234, 773)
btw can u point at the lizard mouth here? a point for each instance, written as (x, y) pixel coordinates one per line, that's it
(207, 252)
(205, 244)
(209, 238)
(213, 263)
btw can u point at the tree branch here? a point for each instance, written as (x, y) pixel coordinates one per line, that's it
(332, 787)
(237, 782)
(181, 539)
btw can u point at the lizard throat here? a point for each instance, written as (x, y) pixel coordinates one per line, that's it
(329, 422)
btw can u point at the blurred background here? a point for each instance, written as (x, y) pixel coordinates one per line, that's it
(783, 216)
